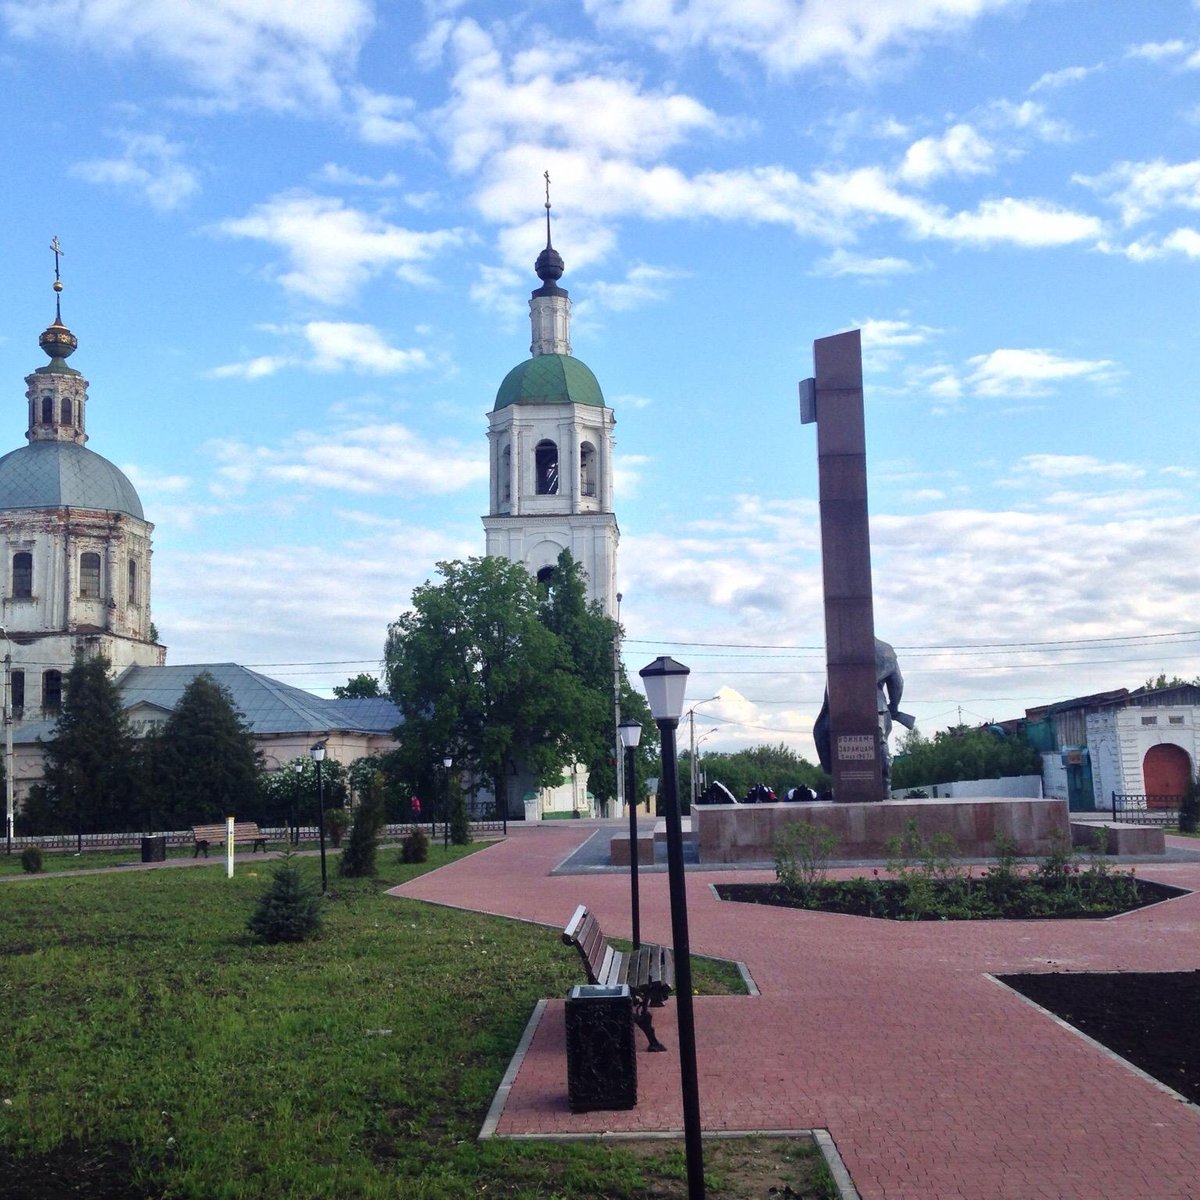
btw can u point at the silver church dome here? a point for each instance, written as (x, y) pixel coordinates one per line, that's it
(65, 474)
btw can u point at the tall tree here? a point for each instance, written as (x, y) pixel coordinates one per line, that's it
(89, 786)
(479, 676)
(358, 687)
(210, 762)
(588, 636)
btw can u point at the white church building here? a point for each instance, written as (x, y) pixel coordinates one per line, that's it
(550, 440)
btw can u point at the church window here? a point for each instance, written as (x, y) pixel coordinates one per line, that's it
(89, 575)
(506, 474)
(52, 691)
(133, 581)
(22, 575)
(587, 469)
(47, 410)
(65, 414)
(17, 685)
(545, 457)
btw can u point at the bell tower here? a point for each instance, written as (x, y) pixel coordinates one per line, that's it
(550, 438)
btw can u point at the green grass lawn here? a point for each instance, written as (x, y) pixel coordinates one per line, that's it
(153, 1049)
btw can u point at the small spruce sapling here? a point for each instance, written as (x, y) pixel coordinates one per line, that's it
(290, 909)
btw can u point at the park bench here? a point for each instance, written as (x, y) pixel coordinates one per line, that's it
(244, 832)
(649, 971)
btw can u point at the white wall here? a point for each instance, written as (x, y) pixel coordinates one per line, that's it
(1024, 786)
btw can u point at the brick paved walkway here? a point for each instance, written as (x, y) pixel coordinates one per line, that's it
(936, 1082)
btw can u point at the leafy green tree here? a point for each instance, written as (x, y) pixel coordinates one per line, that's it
(589, 635)
(361, 686)
(1160, 682)
(478, 675)
(88, 783)
(358, 858)
(286, 792)
(962, 753)
(210, 763)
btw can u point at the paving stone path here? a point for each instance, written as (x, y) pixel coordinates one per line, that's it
(935, 1081)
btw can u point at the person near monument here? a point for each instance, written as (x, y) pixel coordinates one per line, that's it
(889, 687)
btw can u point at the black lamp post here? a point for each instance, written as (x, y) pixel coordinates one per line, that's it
(665, 681)
(318, 756)
(631, 735)
(447, 762)
(294, 823)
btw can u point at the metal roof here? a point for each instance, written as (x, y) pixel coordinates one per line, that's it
(65, 474)
(268, 705)
(549, 379)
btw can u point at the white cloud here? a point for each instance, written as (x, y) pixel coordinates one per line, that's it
(333, 250)
(889, 334)
(792, 35)
(958, 151)
(331, 346)
(1073, 466)
(1156, 51)
(379, 459)
(1031, 372)
(285, 57)
(382, 120)
(340, 176)
(642, 284)
(1053, 80)
(149, 166)
(549, 101)
(843, 262)
(1143, 189)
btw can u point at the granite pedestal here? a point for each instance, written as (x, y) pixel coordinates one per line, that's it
(732, 833)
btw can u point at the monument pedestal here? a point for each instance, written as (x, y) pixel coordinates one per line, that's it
(733, 833)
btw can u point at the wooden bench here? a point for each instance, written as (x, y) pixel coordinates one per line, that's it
(244, 832)
(649, 971)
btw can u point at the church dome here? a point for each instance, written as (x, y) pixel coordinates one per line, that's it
(65, 474)
(548, 379)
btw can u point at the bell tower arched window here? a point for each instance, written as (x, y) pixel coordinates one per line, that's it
(47, 410)
(506, 475)
(65, 415)
(545, 459)
(89, 575)
(587, 469)
(133, 581)
(22, 575)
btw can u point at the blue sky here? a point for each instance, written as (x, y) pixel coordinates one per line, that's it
(299, 244)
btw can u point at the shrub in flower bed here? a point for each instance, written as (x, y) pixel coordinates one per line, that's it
(926, 881)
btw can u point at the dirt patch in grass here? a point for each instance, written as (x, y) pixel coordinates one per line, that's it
(71, 1170)
(736, 1168)
(1148, 1018)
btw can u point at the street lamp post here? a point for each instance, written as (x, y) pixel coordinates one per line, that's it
(447, 762)
(691, 713)
(665, 681)
(294, 823)
(631, 733)
(318, 756)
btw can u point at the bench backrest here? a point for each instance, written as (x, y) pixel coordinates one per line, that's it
(242, 830)
(584, 933)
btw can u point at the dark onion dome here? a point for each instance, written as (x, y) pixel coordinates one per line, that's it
(59, 343)
(62, 475)
(548, 379)
(549, 265)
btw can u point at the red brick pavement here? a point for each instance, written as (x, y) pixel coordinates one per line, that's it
(936, 1082)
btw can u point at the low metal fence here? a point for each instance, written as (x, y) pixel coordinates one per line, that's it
(308, 834)
(1136, 809)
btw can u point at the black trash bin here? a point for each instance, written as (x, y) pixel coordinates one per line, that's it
(154, 847)
(601, 1064)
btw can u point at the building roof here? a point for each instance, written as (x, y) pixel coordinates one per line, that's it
(269, 707)
(57, 474)
(549, 379)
